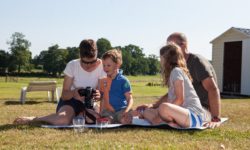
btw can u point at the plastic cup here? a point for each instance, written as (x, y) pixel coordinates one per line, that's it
(102, 122)
(79, 123)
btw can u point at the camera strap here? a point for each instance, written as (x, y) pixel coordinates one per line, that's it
(91, 116)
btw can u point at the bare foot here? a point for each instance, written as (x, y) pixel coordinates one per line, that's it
(127, 118)
(23, 120)
(138, 113)
(157, 121)
(173, 124)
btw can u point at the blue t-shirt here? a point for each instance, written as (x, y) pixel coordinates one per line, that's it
(119, 86)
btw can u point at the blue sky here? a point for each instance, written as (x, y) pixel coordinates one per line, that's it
(145, 23)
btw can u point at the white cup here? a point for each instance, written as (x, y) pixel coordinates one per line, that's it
(79, 123)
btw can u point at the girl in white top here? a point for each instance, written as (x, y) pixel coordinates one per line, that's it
(183, 106)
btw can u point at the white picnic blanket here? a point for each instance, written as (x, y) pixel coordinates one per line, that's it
(136, 122)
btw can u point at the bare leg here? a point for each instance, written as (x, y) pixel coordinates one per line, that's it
(152, 116)
(126, 118)
(63, 117)
(136, 113)
(173, 113)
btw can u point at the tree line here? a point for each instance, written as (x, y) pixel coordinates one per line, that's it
(53, 60)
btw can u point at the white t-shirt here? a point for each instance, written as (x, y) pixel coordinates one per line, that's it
(191, 99)
(82, 78)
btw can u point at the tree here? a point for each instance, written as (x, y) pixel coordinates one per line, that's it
(126, 61)
(4, 61)
(73, 53)
(103, 45)
(134, 62)
(20, 54)
(154, 65)
(36, 62)
(54, 61)
(29, 66)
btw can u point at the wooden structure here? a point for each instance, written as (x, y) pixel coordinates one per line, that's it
(230, 60)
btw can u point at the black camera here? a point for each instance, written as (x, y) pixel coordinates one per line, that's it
(89, 99)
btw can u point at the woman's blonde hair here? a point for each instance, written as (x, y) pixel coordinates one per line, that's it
(114, 54)
(172, 57)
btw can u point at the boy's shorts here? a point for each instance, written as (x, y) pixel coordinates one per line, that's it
(77, 105)
(115, 116)
(195, 120)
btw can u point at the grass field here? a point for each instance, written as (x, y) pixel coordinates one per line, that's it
(234, 134)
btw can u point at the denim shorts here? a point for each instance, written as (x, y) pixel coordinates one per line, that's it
(77, 105)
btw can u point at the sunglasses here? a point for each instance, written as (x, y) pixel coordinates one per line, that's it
(88, 62)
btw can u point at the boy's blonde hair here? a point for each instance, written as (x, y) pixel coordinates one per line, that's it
(114, 54)
(172, 57)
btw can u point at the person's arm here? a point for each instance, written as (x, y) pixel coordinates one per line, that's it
(97, 95)
(101, 95)
(130, 101)
(213, 96)
(67, 93)
(154, 105)
(107, 106)
(163, 99)
(179, 92)
(104, 99)
(126, 117)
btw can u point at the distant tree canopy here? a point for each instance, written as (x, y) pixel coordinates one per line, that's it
(153, 64)
(134, 61)
(54, 60)
(103, 45)
(73, 53)
(4, 61)
(20, 54)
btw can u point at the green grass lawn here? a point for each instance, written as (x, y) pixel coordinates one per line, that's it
(234, 134)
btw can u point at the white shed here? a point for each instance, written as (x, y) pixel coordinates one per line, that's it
(231, 61)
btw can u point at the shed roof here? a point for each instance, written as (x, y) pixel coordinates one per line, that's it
(244, 31)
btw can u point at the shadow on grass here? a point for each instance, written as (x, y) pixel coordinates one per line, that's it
(233, 96)
(29, 126)
(138, 129)
(164, 127)
(26, 103)
(7, 127)
(133, 129)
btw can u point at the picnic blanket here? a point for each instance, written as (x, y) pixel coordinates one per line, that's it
(135, 123)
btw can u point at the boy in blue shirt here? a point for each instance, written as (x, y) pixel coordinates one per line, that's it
(116, 92)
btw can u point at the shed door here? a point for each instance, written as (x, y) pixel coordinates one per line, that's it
(232, 67)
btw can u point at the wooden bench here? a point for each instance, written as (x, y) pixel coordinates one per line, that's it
(49, 86)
